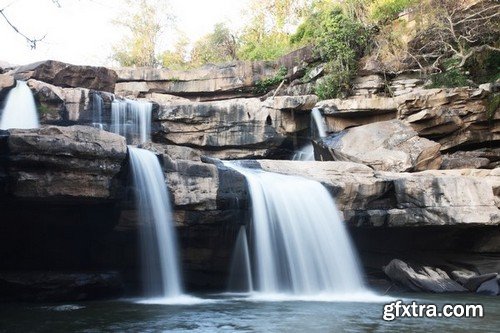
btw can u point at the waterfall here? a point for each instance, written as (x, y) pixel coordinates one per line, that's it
(132, 119)
(97, 106)
(318, 130)
(158, 241)
(240, 277)
(300, 245)
(20, 109)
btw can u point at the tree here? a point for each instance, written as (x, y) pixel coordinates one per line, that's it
(459, 29)
(144, 21)
(178, 57)
(218, 46)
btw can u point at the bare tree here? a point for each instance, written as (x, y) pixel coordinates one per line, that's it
(457, 29)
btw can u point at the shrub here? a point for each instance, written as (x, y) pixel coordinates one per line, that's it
(386, 10)
(451, 76)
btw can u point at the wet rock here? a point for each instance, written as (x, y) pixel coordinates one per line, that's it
(423, 278)
(475, 282)
(384, 146)
(66, 75)
(490, 287)
(59, 286)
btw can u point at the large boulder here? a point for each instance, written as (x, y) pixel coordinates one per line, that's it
(237, 128)
(66, 75)
(53, 162)
(6, 83)
(385, 146)
(427, 279)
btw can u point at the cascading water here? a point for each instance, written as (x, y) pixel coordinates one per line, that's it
(158, 241)
(132, 119)
(240, 277)
(318, 130)
(20, 109)
(97, 106)
(300, 246)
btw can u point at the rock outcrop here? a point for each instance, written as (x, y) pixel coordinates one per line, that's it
(67, 75)
(58, 162)
(384, 146)
(6, 83)
(238, 128)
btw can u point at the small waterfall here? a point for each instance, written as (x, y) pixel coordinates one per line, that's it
(97, 107)
(240, 277)
(20, 109)
(300, 245)
(318, 130)
(158, 241)
(132, 119)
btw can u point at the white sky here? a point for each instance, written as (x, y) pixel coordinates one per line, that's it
(81, 32)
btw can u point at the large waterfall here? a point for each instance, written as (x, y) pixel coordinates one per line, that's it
(300, 246)
(158, 241)
(20, 109)
(318, 130)
(132, 119)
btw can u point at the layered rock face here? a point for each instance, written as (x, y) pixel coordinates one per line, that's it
(238, 128)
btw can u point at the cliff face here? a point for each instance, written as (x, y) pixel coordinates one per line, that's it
(67, 202)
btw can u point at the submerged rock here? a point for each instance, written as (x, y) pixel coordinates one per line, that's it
(490, 287)
(59, 286)
(384, 146)
(424, 278)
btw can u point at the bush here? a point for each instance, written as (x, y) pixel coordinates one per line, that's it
(340, 41)
(386, 10)
(452, 76)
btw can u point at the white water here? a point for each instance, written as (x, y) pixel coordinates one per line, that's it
(132, 119)
(20, 109)
(300, 246)
(97, 106)
(240, 277)
(158, 241)
(318, 129)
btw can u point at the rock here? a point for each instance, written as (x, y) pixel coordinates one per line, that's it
(462, 276)
(74, 161)
(368, 85)
(59, 287)
(475, 282)
(6, 82)
(386, 199)
(385, 146)
(344, 113)
(211, 82)
(425, 279)
(475, 159)
(67, 75)
(490, 287)
(238, 128)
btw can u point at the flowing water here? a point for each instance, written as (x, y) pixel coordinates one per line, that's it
(20, 109)
(240, 276)
(318, 130)
(234, 314)
(300, 247)
(97, 107)
(132, 119)
(158, 241)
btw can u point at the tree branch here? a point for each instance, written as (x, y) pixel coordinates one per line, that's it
(31, 41)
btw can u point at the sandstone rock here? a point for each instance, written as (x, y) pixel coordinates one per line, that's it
(67, 75)
(368, 85)
(76, 161)
(386, 199)
(344, 113)
(475, 159)
(386, 146)
(6, 82)
(239, 128)
(423, 279)
(59, 286)
(222, 81)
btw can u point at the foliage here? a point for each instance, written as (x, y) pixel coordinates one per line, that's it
(493, 105)
(450, 77)
(176, 59)
(144, 22)
(266, 36)
(386, 10)
(261, 87)
(218, 46)
(339, 40)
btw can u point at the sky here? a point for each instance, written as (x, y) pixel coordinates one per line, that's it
(81, 31)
